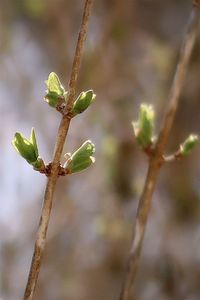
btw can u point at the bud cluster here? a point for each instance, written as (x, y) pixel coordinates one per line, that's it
(56, 96)
(144, 133)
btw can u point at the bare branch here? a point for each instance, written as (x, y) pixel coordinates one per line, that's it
(157, 159)
(52, 179)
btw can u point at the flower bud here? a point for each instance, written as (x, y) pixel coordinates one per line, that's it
(81, 158)
(83, 102)
(189, 144)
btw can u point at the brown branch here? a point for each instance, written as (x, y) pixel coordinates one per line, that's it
(196, 3)
(52, 179)
(157, 159)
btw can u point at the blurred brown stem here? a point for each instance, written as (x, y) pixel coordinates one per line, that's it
(52, 179)
(156, 160)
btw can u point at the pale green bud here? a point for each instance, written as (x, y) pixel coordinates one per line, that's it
(28, 149)
(81, 158)
(55, 91)
(83, 102)
(189, 144)
(143, 128)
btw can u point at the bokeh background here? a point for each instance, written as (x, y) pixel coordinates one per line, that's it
(130, 57)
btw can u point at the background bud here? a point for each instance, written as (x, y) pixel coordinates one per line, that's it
(143, 128)
(189, 144)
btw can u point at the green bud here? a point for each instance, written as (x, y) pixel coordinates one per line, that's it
(83, 102)
(38, 164)
(28, 149)
(34, 142)
(143, 128)
(55, 91)
(81, 158)
(189, 144)
(54, 85)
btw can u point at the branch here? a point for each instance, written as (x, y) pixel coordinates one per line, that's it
(156, 160)
(52, 179)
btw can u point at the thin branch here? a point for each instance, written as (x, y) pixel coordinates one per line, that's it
(52, 179)
(157, 159)
(173, 157)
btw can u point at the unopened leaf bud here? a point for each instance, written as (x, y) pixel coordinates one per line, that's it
(81, 158)
(189, 144)
(55, 93)
(83, 102)
(28, 149)
(143, 128)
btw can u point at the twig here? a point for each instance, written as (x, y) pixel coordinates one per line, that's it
(156, 160)
(52, 179)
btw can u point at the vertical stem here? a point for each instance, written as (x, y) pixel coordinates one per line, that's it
(52, 179)
(156, 160)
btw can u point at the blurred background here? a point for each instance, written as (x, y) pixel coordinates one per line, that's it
(130, 57)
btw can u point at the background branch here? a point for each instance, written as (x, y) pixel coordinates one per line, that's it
(156, 160)
(52, 179)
